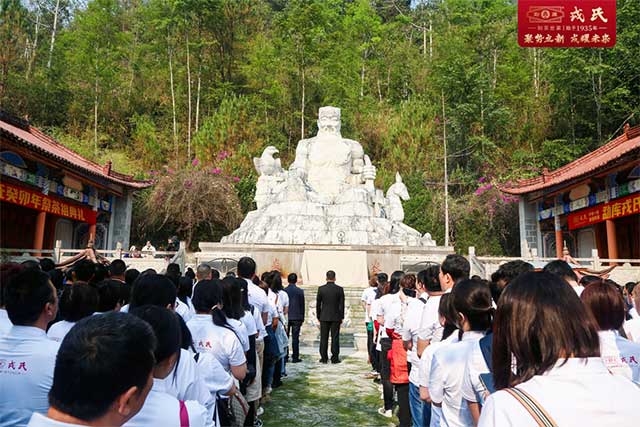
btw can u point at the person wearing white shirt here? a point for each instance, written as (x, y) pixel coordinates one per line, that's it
(76, 302)
(161, 408)
(27, 356)
(217, 338)
(606, 305)
(472, 301)
(148, 250)
(632, 327)
(568, 381)
(5, 323)
(563, 270)
(366, 299)
(7, 271)
(84, 391)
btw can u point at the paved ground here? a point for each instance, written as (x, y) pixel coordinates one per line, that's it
(314, 394)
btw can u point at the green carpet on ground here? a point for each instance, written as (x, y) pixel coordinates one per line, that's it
(314, 394)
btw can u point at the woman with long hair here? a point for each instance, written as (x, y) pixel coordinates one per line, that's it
(546, 362)
(472, 302)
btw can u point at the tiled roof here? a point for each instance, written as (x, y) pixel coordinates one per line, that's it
(36, 140)
(598, 159)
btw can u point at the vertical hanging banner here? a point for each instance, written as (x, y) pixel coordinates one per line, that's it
(567, 23)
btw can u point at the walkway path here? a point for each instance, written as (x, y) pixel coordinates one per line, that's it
(314, 394)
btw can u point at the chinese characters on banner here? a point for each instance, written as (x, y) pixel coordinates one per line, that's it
(615, 209)
(38, 201)
(567, 23)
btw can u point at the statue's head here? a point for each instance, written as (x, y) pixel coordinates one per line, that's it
(329, 119)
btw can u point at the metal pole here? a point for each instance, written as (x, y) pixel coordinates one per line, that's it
(446, 175)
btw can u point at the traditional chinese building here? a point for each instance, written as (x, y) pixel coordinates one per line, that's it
(590, 203)
(48, 192)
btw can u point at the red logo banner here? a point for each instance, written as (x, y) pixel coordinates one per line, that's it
(38, 201)
(567, 23)
(614, 209)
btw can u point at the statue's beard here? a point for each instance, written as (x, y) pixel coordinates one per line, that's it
(333, 130)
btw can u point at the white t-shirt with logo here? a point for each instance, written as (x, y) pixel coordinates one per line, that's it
(578, 393)
(59, 330)
(220, 341)
(258, 299)
(27, 361)
(162, 409)
(620, 356)
(185, 383)
(445, 380)
(430, 327)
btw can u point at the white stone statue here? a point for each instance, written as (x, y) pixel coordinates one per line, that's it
(395, 194)
(327, 196)
(270, 172)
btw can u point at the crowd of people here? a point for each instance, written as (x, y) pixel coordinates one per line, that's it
(528, 348)
(109, 346)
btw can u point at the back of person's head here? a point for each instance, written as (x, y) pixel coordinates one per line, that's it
(185, 287)
(27, 295)
(166, 328)
(456, 266)
(244, 289)
(246, 267)
(561, 269)
(605, 303)
(207, 294)
(109, 295)
(84, 270)
(408, 281)
(153, 289)
(382, 278)
(148, 271)
(629, 286)
(431, 280)
(7, 271)
(130, 276)
(448, 313)
(78, 301)
(94, 350)
(57, 278)
(292, 278)
(230, 274)
(539, 321)
(394, 283)
(215, 274)
(331, 275)
(383, 284)
(173, 269)
(101, 273)
(31, 264)
(232, 298)
(117, 268)
(588, 279)
(505, 274)
(472, 301)
(47, 264)
(203, 272)
(275, 281)
(190, 273)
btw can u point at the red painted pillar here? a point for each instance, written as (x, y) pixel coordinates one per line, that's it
(612, 243)
(38, 238)
(558, 230)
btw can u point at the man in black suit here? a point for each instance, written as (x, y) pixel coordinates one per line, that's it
(296, 314)
(330, 312)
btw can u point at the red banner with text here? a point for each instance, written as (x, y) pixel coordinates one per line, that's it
(38, 201)
(611, 210)
(567, 23)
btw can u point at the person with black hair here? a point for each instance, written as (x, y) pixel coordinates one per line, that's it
(47, 264)
(84, 391)
(330, 313)
(564, 271)
(130, 276)
(419, 320)
(101, 273)
(27, 355)
(190, 274)
(160, 407)
(389, 304)
(31, 264)
(553, 373)
(83, 270)
(184, 382)
(117, 270)
(296, 315)
(77, 301)
(505, 274)
(7, 271)
(109, 295)
(453, 269)
(448, 320)
(233, 310)
(212, 333)
(472, 301)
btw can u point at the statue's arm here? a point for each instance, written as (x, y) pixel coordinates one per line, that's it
(357, 156)
(300, 163)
